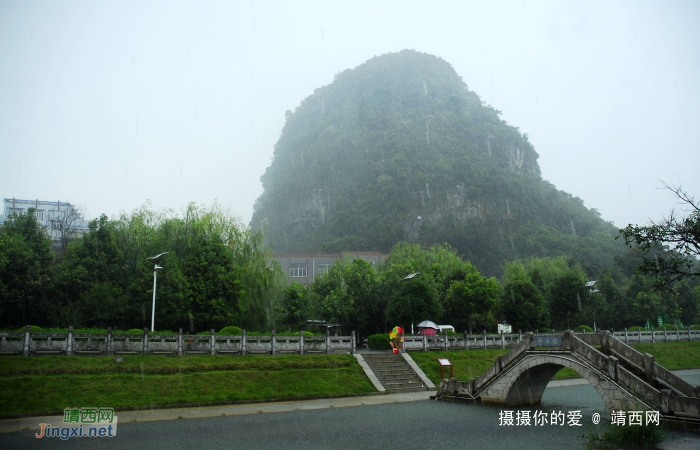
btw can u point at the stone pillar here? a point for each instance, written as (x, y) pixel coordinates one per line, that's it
(520, 335)
(652, 335)
(665, 400)
(612, 367)
(212, 343)
(425, 343)
(688, 333)
(108, 344)
(444, 335)
(243, 339)
(145, 341)
(604, 342)
(466, 341)
(301, 342)
(678, 336)
(328, 341)
(503, 340)
(665, 336)
(353, 342)
(179, 342)
(26, 341)
(649, 367)
(273, 343)
(69, 341)
(625, 335)
(402, 343)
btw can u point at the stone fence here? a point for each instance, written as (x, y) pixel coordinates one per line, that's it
(89, 344)
(485, 341)
(29, 343)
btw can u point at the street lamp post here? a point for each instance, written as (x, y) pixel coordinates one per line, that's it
(156, 269)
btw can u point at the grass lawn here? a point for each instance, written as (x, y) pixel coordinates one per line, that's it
(673, 355)
(55, 383)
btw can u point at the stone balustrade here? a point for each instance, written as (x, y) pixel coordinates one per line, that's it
(30, 343)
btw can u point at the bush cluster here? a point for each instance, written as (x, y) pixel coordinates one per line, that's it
(379, 342)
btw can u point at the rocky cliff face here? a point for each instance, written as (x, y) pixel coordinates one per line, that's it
(399, 148)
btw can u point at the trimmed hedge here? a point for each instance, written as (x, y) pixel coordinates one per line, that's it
(230, 331)
(580, 329)
(379, 342)
(544, 330)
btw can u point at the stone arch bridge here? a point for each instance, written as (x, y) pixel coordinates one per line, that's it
(624, 378)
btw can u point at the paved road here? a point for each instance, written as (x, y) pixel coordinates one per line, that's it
(373, 422)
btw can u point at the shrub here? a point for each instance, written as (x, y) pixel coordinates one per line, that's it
(34, 329)
(580, 329)
(230, 331)
(667, 326)
(544, 330)
(378, 342)
(133, 331)
(636, 329)
(615, 437)
(695, 327)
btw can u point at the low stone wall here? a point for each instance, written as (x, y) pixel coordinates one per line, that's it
(88, 344)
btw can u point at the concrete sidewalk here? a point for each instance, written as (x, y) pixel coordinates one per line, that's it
(32, 423)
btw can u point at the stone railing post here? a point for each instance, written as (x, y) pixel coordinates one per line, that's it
(69, 341)
(243, 342)
(353, 342)
(466, 341)
(27, 339)
(649, 367)
(444, 335)
(108, 344)
(301, 342)
(273, 343)
(328, 341)
(503, 339)
(145, 341)
(688, 333)
(212, 343)
(520, 335)
(425, 343)
(625, 335)
(652, 335)
(402, 343)
(612, 367)
(179, 342)
(665, 336)
(678, 336)
(484, 342)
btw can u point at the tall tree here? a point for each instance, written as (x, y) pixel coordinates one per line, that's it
(473, 294)
(672, 245)
(26, 274)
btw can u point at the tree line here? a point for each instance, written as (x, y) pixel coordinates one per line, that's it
(217, 272)
(535, 293)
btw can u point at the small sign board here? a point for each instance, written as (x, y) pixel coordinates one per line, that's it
(547, 341)
(503, 328)
(444, 362)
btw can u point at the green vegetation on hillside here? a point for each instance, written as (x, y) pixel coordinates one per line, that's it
(400, 149)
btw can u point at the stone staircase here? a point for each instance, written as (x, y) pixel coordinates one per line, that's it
(394, 373)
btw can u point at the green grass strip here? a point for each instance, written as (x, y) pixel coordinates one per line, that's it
(61, 365)
(327, 375)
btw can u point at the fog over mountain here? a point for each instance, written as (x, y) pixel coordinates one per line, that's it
(108, 104)
(400, 149)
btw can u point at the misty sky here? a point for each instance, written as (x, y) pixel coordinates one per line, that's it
(108, 104)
